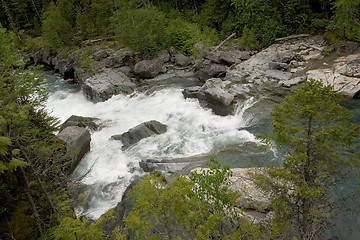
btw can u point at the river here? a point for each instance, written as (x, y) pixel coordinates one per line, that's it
(107, 170)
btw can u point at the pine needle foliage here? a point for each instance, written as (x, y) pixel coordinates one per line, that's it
(313, 129)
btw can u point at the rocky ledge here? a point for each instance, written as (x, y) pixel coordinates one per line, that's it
(256, 83)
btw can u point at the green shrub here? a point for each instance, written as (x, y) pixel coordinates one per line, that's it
(141, 29)
(184, 35)
(249, 39)
(57, 31)
(319, 24)
(84, 59)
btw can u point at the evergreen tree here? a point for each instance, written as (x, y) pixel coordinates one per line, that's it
(57, 24)
(313, 129)
(201, 207)
(29, 152)
(347, 18)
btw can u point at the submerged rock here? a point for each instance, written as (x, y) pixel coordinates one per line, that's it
(143, 130)
(77, 142)
(191, 92)
(104, 85)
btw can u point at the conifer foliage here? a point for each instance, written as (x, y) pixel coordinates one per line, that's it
(313, 130)
(30, 155)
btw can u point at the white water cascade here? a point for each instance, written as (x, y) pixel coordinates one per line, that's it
(107, 170)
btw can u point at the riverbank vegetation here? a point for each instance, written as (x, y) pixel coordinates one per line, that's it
(149, 26)
(309, 125)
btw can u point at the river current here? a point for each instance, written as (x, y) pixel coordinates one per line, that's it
(192, 130)
(106, 170)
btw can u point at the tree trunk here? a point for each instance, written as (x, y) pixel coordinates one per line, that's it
(305, 219)
(42, 186)
(10, 19)
(31, 201)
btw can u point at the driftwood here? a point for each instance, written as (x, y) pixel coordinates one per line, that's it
(292, 37)
(223, 42)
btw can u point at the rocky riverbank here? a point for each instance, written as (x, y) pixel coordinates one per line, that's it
(106, 70)
(244, 83)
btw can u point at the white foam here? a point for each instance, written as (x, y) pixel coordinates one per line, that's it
(191, 130)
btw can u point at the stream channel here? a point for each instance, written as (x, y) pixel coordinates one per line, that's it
(106, 170)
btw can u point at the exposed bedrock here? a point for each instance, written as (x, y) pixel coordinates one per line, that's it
(256, 83)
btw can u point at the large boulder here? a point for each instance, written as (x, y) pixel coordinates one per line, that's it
(163, 56)
(148, 68)
(84, 122)
(141, 131)
(182, 60)
(77, 141)
(211, 70)
(214, 94)
(104, 85)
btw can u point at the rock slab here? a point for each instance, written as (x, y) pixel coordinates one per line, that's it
(103, 86)
(77, 141)
(84, 122)
(141, 131)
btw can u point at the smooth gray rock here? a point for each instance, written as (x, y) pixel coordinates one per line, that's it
(219, 101)
(219, 95)
(293, 82)
(77, 142)
(141, 131)
(148, 68)
(350, 66)
(83, 122)
(278, 66)
(349, 87)
(277, 75)
(182, 60)
(104, 85)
